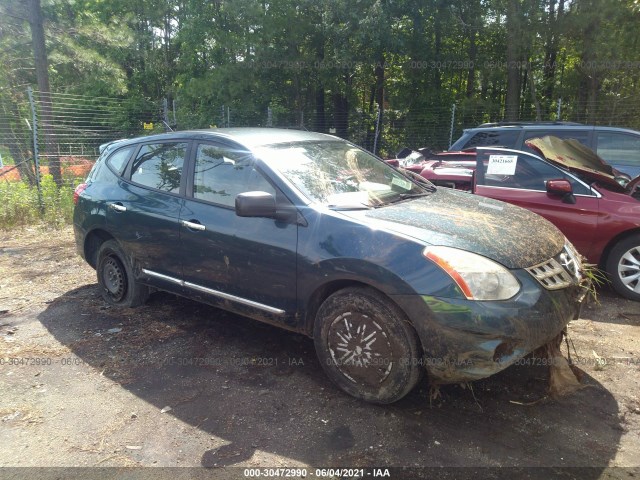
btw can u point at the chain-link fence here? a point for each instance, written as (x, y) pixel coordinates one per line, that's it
(435, 127)
(64, 131)
(61, 133)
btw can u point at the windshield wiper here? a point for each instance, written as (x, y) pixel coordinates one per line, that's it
(408, 196)
(340, 208)
(401, 197)
(420, 180)
(404, 196)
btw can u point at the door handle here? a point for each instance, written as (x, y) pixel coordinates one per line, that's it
(193, 225)
(118, 207)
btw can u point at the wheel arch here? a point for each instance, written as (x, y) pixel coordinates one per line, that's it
(92, 243)
(604, 258)
(319, 295)
(324, 291)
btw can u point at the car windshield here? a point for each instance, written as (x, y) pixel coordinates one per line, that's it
(341, 175)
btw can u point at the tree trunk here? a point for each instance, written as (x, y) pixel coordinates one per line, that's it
(321, 122)
(525, 106)
(42, 75)
(589, 85)
(471, 73)
(438, 24)
(551, 52)
(341, 115)
(379, 74)
(532, 90)
(513, 56)
(320, 109)
(16, 146)
(376, 100)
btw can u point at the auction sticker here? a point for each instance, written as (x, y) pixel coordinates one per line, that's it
(406, 184)
(502, 164)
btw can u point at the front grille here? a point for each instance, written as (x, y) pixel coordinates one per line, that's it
(563, 270)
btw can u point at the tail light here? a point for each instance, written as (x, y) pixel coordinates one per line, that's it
(76, 193)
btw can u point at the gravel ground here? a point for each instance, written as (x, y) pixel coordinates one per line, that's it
(179, 384)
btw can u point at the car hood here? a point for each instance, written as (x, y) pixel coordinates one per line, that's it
(510, 235)
(575, 156)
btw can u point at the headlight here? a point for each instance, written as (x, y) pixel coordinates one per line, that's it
(478, 277)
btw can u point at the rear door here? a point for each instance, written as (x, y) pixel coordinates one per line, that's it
(242, 264)
(145, 210)
(520, 179)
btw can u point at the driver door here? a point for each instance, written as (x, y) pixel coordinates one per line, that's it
(245, 264)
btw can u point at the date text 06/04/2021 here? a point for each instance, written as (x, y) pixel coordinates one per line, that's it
(317, 472)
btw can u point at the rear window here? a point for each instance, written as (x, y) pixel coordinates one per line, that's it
(493, 138)
(118, 160)
(580, 135)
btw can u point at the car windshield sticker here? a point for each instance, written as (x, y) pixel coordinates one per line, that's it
(400, 182)
(502, 164)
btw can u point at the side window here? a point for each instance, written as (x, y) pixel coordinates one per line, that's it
(95, 170)
(118, 160)
(222, 173)
(500, 169)
(494, 138)
(580, 135)
(159, 166)
(619, 148)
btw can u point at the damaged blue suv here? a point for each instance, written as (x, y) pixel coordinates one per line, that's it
(391, 276)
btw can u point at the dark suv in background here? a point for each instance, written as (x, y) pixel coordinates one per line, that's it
(619, 147)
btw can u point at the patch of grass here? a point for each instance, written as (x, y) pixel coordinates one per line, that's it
(596, 278)
(20, 205)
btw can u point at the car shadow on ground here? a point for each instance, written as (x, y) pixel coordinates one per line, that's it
(262, 389)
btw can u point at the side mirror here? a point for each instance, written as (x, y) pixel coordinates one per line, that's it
(562, 188)
(255, 204)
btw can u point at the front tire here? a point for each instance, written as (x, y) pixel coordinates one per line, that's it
(115, 277)
(366, 345)
(623, 267)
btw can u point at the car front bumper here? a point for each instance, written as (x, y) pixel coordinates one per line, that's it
(466, 340)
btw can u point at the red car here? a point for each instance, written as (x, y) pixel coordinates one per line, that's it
(570, 186)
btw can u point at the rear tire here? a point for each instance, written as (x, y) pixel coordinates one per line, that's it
(623, 267)
(366, 345)
(115, 277)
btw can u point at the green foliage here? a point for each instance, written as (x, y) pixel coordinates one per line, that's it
(318, 63)
(57, 203)
(6, 155)
(21, 207)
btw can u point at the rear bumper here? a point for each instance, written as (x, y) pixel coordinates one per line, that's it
(79, 234)
(467, 340)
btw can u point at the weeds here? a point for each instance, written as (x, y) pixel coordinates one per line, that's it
(19, 204)
(595, 278)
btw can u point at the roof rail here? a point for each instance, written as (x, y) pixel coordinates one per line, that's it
(517, 124)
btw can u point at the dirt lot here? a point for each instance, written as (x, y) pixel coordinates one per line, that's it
(179, 384)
